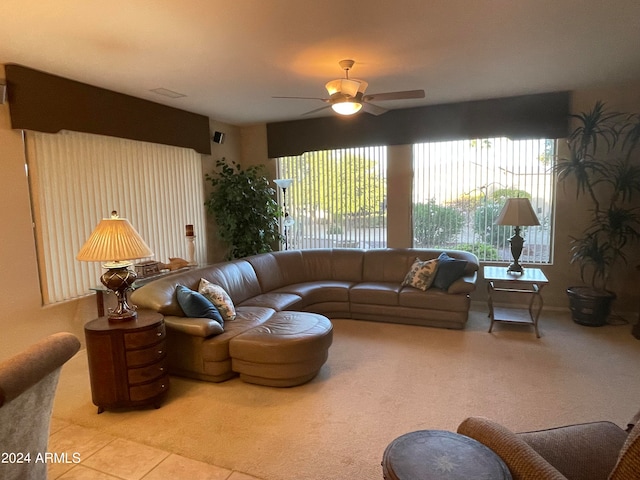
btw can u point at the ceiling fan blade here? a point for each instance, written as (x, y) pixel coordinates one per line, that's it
(373, 109)
(306, 98)
(378, 97)
(316, 110)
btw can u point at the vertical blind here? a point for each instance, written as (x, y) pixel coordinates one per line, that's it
(461, 186)
(337, 199)
(77, 179)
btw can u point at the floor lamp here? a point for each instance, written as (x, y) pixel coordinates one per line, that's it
(517, 212)
(288, 222)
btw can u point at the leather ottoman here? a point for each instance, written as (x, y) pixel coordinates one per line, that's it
(287, 350)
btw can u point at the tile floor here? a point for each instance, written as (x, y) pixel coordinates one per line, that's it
(105, 457)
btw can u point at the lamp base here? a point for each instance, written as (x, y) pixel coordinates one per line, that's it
(516, 242)
(119, 280)
(515, 268)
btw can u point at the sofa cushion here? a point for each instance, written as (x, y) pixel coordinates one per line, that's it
(340, 264)
(320, 291)
(196, 305)
(375, 293)
(267, 271)
(466, 284)
(219, 297)
(276, 300)
(586, 451)
(216, 349)
(388, 265)
(197, 327)
(238, 278)
(421, 274)
(449, 270)
(432, 299)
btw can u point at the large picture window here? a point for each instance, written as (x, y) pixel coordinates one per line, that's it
(461, 186)
(337, 198)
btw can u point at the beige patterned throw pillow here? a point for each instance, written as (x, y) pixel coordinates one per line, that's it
(421, 274)
(219, 297)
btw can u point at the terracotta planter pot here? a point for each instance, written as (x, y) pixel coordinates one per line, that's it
(590, 307)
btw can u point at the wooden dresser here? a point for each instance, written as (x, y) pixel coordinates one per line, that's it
(127, 361)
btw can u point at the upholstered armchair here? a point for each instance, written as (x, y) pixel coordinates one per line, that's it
(588, 451)
(28, 382)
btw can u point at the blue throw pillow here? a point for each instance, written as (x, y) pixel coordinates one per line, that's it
(196, 305)
(449, 270)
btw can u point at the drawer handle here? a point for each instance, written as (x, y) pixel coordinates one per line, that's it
(160, 352)
(159, 334)
(162, 386)
(162, 369)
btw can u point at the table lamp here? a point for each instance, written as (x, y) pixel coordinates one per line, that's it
(517, 212)
(116, 242)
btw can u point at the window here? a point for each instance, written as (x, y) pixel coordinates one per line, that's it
(337, 199)
(460, 187)
(76, 179)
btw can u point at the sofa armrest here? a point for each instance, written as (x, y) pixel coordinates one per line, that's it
(466, 284)
(197, 327)
(523, 461)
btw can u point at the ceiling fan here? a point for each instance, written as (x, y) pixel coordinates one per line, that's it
(347, 95)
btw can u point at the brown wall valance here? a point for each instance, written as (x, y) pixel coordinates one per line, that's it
(529, 116)
(47, 103)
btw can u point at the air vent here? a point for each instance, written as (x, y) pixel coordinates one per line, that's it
(167, 93)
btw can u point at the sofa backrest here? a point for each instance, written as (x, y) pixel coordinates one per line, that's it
(251, 276)
(343, 264)
(237, 277)
(392, 264)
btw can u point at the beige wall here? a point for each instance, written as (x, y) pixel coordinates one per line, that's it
(23, 320)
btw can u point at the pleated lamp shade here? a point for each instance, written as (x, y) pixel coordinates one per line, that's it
(114, 240)
(517, 212)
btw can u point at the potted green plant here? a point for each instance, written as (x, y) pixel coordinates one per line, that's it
(244, 207)
(604, 166)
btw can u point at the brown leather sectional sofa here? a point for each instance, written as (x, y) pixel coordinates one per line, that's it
(336, 283)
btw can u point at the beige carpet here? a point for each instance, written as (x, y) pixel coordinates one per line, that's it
(383, 380)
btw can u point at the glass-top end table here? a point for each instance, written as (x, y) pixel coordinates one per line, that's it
(528, 284)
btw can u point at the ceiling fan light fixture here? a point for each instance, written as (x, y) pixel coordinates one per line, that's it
(346, 107)
(343, 86)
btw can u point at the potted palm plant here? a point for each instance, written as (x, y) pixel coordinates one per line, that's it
(244, 207)
(603, 163)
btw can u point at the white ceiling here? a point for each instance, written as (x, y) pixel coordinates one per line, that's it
(231, 57)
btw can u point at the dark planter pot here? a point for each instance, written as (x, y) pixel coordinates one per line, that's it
(590, 307)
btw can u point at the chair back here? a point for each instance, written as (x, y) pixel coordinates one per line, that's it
(28, 382)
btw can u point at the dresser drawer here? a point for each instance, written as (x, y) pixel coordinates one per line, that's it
(144, 338)
(145, 374)
(149, 390)
(145, 356)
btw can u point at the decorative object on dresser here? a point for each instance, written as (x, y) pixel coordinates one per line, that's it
(191, 245)
(517, 212)
(147, 269)
(116, 242)
(127, 361)
(175, 263)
